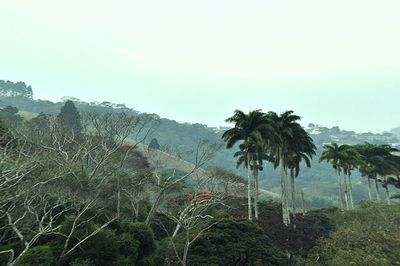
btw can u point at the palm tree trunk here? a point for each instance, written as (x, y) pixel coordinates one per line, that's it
(255, 173)
(346, 196)
(388, 195)
(350, 192)
(302, 201)
(284, 192)
(293, 188)
(378, 196)
(340, 187)
(249, 194)
(369, 189)
(389, 202)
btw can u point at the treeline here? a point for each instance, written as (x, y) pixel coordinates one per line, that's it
(279, 140)
(17, 89)
(377, 163)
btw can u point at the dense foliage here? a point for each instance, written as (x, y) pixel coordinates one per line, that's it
(235, 242)
(369, 235)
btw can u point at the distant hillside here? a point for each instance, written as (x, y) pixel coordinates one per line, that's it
(181, 137)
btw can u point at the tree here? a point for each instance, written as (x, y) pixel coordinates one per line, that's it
(301, 149)
(203, 153)
(40, 213)
(336, 155)
(220, 246)
(288, 132)
(391, 180)
(55, 185)
(247, 129)
(154, 144)
(69, 119)
(15, 89)
(351, 160)
(10, 117)
(226, 181)
(192, 216)
(378, 162)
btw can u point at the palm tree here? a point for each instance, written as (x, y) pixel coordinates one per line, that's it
(247, 128)
(351, 159)
(256, 165)
(336, 154)
(287, 134)
(302, 149)
(378, 163)
(261, 154)
(394, 181)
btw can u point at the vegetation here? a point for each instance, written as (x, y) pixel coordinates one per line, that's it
(368, 235)
(83, 188)
(275, 138)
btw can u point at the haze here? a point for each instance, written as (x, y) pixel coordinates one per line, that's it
(333, 62)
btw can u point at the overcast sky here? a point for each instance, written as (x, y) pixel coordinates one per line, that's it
(332, 62)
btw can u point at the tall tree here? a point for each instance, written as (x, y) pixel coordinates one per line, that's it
(378, 162)
(350, 161)
(394, 181)
(247, 129)
(259, 154)
(70, 119)
(287, 134)
(334, 154)
(301, 149)
(154, 144)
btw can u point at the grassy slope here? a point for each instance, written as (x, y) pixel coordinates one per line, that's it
(173, 162)
(27, 115)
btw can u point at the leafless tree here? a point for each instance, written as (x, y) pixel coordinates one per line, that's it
(203, 153)
(193, 219)
(72, 169)
(30, 218)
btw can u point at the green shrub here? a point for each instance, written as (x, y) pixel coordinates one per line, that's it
(37, 256)
(369, 235)
(233, 242)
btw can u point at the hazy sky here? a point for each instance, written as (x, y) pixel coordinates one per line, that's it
(333, 62)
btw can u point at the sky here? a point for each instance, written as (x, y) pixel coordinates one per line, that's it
(335, 63)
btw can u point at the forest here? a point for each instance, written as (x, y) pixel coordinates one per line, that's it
(97, 186)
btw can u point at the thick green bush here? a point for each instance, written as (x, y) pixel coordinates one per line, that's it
(369, 235)
(234, 242)
(37, 256)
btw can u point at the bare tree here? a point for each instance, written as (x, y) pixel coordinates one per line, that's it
(203, 153)
(72, 170)
(35, 216)
(17, 160)
(193, 218)
(226, 181)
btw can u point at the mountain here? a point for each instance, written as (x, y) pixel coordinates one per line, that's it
(179, 138)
